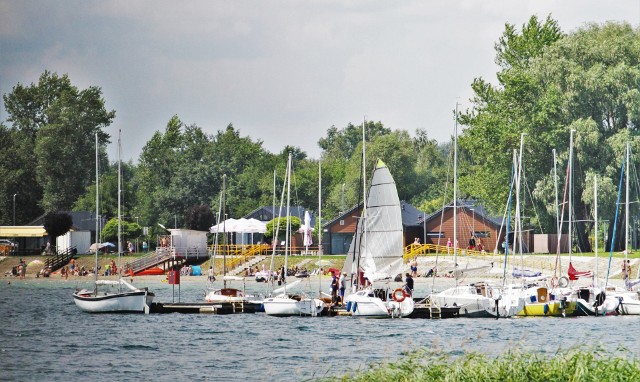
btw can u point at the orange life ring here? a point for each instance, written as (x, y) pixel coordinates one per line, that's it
(395, 296)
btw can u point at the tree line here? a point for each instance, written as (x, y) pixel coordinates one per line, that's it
(549, 83)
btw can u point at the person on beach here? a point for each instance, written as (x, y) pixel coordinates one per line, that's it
(414, 267)
(23, 269)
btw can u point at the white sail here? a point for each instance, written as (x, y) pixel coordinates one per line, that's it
(381, 250)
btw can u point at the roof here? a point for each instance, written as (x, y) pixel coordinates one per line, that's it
(22, 231)
(263, 212)
(82, 220)
(470, 204)
(411, 216)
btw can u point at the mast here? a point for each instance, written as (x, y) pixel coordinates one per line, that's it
(518, 207)
(97, 218)
(287, 246)
(455, 198)
(558, 226)
(224, 229)
(364, 189)
(570, 194)
(595, 213)
(319, 225)
(119, 208)
(626, 211)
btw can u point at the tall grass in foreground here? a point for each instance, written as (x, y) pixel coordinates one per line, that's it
(572, 365)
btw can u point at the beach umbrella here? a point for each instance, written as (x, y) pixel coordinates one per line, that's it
(308, 240)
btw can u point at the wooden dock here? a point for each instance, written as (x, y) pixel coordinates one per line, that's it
(206, 307)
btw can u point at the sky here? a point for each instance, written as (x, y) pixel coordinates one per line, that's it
(282, 71)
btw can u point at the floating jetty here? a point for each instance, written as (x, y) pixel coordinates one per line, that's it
(206, 307)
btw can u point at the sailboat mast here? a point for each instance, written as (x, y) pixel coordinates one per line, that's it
(518, 207)
(364, 187)
(558, 226)
(626, 211)
(119, 206)
(224, 229)
(455, 198)
(287, 236)
(595, 225)
(570, 194)
(319, 225)
(97, 217)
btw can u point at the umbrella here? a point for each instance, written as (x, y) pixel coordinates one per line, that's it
(308, 240)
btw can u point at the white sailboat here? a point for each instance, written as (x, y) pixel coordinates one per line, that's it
(379, 250)
(283, 303)
(129, 300)
(227, 294)
(480, 299)
(629, 300)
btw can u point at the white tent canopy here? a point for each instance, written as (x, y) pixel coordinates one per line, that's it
(240, 226)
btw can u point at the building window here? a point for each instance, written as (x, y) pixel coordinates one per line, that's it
(341, 222)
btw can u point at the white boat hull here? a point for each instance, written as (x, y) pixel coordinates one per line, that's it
(629, 303)
(125, 302)
(473, 304)
(362, 304)
(286, 306)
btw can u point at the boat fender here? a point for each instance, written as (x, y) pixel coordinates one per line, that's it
(546, 309)
(399, 295)
(563, 282)
(348, 306)
(355, 307)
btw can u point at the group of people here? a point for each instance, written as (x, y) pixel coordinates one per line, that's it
(19, 270)
(338, 287)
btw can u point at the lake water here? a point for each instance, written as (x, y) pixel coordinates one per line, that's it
(45, 337)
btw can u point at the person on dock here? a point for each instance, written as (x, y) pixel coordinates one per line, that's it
(408, 284)
(334, 289)
(343, 286)
(212, 277)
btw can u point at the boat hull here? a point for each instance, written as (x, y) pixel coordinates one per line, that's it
(362, 305)
(629, 304)
(285, 306)
(125, 302)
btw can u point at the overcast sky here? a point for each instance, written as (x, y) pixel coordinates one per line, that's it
(280, 71)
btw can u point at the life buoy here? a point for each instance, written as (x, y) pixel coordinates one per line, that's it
(563, 282)
(400, 298)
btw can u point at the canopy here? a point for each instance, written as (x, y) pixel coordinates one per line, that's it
(23, 231)
(240, 225)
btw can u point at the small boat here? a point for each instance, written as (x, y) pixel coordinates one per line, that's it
(539, 302)
(129, 300)
(155, 271)
(232, 294)
(133, 300)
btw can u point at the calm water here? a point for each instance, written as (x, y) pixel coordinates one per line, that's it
(45, 337)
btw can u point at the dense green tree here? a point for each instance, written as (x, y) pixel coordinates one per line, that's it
(130, 231)
(56, 123)
(280, 225)
(199, 218)
(548, 85)
(57, 223)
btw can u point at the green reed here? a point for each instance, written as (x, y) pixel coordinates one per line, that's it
(577, 364)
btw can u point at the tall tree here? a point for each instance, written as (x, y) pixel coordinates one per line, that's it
(56, 123)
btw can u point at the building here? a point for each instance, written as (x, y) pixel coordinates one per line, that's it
(268, 213)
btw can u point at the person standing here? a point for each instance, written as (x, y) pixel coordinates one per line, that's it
(23, 269)
(145, 246)
(449, 245)
(212, 277)
(343, 286)
(414, 267)
(334, 289)
(408, 286)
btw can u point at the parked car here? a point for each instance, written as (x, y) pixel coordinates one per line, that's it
(8, 243)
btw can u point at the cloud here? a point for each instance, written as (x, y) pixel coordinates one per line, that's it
(280, 71)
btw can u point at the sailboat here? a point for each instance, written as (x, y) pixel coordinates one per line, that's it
(129, 300)
(283, 303)
(479, 299)
(227, 294)
(629, 300)
(379, 251)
